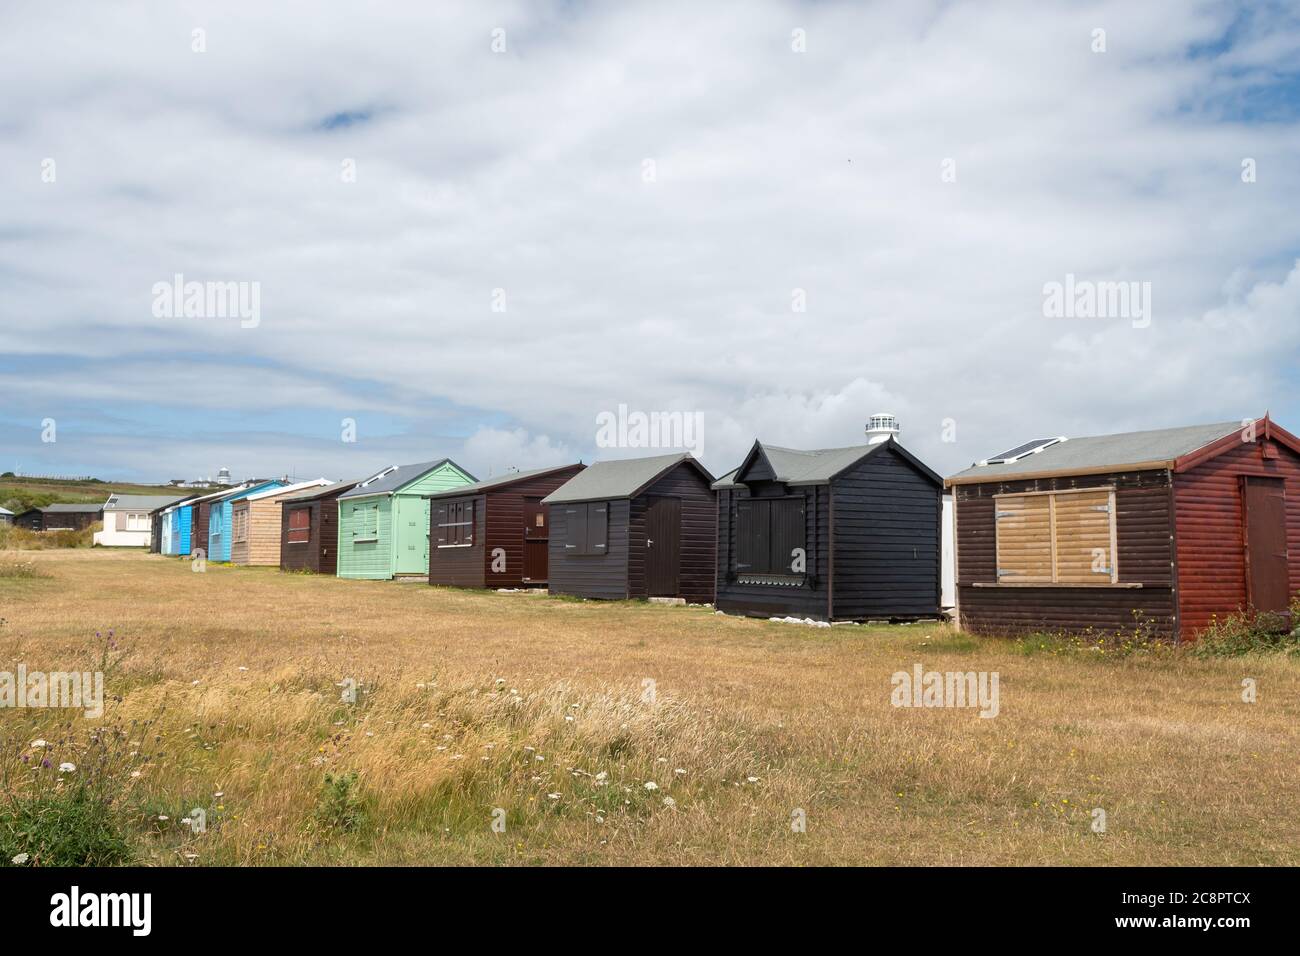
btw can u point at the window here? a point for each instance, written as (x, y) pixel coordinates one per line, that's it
(1056, 537)
(239, 526)
(587, 527)
(455, 524)
(299, 525)
(365, 522)
(137, 522)
(770, 536)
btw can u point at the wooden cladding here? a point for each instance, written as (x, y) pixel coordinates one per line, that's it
(239, 525)
(770, 536)
(1057, 537)
(455, 523)
(588, 527)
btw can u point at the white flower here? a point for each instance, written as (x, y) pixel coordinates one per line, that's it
(67, 767)
(680, 772)
(669, 802)
(163, 818)
(219, 793)
(20, 859)
(602, 775)
(135, 773)
(752, 779)
(553, 796)
(651, 785)
(38, 744)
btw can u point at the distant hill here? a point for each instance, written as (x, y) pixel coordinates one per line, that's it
(19, 494)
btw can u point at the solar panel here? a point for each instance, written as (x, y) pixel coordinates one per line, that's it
(1020, 451)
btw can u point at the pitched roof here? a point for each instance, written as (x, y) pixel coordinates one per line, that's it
(314, 483)
(501, 481)
(5, 511)
(333, 488)
(140, 502)
(794, 466)
(621, 478)
(71, 509)
(395, 477)
(1156, 448)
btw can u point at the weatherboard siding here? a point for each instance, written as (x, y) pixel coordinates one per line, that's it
(603, 576)
(1144, 551)
(1211, 546)
(698, 542)
(764, 600)
(358, 557)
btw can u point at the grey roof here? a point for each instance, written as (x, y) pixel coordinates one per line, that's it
(794, 466)
(622, 478)
(500, 481)
(1106, 451)
(395, 477)
(5, 511)
(71, 509)
(321, 492)
(140, 502)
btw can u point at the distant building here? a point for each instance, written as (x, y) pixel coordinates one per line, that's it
(127, 521)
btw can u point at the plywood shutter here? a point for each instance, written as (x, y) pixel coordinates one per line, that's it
(1024, 535)
(787, 534)
(1083, 538)
(575, 528)
(744, 535)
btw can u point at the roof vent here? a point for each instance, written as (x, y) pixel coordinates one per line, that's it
(881, 427)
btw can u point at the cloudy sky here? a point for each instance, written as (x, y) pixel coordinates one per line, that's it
(474, 228)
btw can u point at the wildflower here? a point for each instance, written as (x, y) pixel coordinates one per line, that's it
(38, 744)
(752, 779)
(20, 859)
(680, 772)
(669, 802)
(553, 796)
(66, 767)
(163, 818)
(604, 774)
(650, 785)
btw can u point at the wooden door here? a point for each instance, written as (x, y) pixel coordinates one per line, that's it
(1267, 579)
(537, 532)
(663, 546)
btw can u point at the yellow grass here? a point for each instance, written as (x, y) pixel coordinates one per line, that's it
(473, 701)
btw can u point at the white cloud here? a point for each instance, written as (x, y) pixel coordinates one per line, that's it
(523, 171)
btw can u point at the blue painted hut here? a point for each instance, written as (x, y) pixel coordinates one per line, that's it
(220, 514)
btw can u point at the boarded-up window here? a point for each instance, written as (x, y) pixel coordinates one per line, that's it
(455, 524)
(299, 525)
(239, 526)
(586, 528)
(1060, 537)
(770, 536)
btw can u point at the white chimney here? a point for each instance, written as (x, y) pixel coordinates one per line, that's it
(881, 427)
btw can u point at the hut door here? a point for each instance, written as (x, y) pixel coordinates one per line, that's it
(663, 546)
(1266, 553)
(537, 524)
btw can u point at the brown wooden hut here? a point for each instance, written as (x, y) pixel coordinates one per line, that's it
(494, 533)
(309, 529)
(1165, 529)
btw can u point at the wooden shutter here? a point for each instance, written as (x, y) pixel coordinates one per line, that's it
(444, 516)
(1084, 545)
(597, 527)
(744, 535)
(575, 529)
(787, 534)
(299, 525)
(1024, 539)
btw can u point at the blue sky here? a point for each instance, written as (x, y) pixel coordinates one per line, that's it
(474, 228)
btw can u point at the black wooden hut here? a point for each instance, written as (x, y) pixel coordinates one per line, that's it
(832, 534)
(494, 533)
(636, 528)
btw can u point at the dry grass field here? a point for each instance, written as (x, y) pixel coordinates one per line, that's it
(470, 703)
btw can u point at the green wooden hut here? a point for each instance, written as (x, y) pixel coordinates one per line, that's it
(384, 520)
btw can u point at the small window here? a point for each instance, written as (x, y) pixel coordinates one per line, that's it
(456, 524)
(239, 526)
(300, 526)
(587, 527)
(1059, 537)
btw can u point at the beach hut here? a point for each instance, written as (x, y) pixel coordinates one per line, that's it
(1165, 529)
(255, 523)
(219, 516)
(384, 520)
(63, 517)
(128, 519)
(309, 529)
(838, 534)
(6, 516)
(634, 528)
(494, 533)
